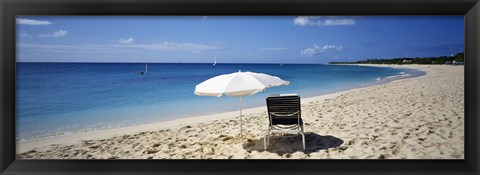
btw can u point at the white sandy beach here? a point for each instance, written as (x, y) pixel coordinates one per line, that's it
(415, 118)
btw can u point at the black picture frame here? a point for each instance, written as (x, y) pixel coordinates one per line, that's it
(10, 8)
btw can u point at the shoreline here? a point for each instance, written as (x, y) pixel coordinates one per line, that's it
(26, 146)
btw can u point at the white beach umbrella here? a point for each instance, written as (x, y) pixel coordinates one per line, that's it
(238, 84)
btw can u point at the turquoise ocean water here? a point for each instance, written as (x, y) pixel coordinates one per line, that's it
(63, 98)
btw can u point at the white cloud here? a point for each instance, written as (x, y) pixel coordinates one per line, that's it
(337, 22)
(322, 21)
(60, 33)
(166, 46)
(117, 48)
(315, 50)
(303, 21)
(49, 48)
(271, 49)
(32, 22)
(126, 41)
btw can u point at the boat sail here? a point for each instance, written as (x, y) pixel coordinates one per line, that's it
(215, 63)
(146, 70)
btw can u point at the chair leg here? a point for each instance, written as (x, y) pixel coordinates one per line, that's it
(303, 137)
(303, 140)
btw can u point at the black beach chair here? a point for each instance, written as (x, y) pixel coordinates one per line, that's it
(285, 116)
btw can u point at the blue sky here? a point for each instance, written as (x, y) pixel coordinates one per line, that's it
(235, 39)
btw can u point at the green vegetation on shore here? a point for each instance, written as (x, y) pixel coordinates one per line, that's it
(459, 57)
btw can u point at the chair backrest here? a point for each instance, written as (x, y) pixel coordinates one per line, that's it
(284, 109)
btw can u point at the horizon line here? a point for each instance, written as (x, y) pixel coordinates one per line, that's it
(158, 62)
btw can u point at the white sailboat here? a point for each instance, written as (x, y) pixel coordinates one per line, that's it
(146, 70)
(215, 63)
(281, 63)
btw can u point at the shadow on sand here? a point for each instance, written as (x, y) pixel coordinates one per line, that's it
(287, 144)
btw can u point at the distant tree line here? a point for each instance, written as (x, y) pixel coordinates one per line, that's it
(459, 57)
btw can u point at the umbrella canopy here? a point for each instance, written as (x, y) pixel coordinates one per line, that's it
(238, 84)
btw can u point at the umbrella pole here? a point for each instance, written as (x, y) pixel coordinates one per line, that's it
(241, 130)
